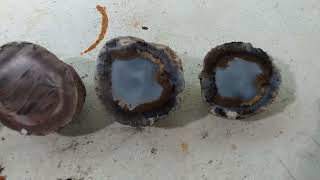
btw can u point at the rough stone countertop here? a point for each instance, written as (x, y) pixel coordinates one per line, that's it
(281, 144)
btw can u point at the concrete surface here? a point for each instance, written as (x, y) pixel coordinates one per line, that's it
(281, 144)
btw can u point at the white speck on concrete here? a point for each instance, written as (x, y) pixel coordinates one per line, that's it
(23, 132)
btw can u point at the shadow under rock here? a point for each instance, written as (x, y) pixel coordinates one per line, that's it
(191, 108)
(286, 96)
(93, 116)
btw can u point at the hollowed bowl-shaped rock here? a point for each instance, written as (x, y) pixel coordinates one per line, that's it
(238, 80)
(140, 80)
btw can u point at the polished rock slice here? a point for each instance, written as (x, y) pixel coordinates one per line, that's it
(39, 94)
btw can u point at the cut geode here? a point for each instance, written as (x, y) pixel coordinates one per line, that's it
(39, 94)
(139, 80)
(238, 80)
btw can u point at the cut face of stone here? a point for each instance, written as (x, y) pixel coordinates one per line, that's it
(39, 93)
(138, 79)
(238, 79)
(33, 92)
(134, 81)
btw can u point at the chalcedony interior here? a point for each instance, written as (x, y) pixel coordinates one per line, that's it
(238, 79)
(134, 81)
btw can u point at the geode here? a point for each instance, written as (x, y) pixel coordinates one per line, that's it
(140, 80)
(38, 93)
(238, 80)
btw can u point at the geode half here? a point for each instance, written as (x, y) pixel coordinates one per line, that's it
(238, 80)
(139, 80)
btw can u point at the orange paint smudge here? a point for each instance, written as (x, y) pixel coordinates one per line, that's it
(104, 27)
(184, 147)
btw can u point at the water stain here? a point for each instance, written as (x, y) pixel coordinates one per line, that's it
(59, 164)
(234, 147)
(136, 21)
(135, 24)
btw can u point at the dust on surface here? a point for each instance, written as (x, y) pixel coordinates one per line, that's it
(234, 147)
(204, 135)
(73, 145)
(71, 178)
(154, 151)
